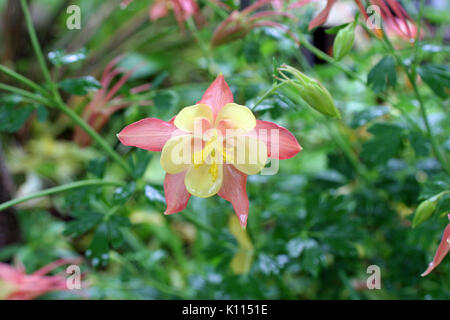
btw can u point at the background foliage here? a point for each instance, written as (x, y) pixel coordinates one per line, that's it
(345, 202)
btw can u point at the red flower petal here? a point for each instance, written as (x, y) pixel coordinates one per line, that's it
(149, 134)
(322, 17)
(176, 193)
(217, 95)
(286, 143)
(234, 190)
(443, 249)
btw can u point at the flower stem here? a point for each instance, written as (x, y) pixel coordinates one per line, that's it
(50, 191)
(25, 94)
(94, 135)
(24, 80)
(269, 92)
(57, 98)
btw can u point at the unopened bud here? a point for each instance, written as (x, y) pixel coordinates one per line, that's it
(423, 212)
(311, 91)
(344, 41)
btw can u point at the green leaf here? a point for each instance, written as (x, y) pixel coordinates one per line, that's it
(437, 77)
(383, 145)
(60, 57)
(382, 75)
(97, 167)
(154, 195)
(85, 221)
(13, 117)
(166, 100)
(367, 115)
(139, 161)
(122, 194)
(420, 143)
(98, 249)
(80, 86)
(435, 185)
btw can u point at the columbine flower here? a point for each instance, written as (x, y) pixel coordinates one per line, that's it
(183, 9)
(15, 284)
(239, 23)
(400, 24)
(106, 101)
(210, 148)
(441, 252)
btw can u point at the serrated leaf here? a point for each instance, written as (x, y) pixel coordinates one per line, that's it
(98, 250)
(437, 77)
(384, 144)
(382, 75)
(84, 222)
(80, 86)
(97, 167)
(13, 117)
(122, 194)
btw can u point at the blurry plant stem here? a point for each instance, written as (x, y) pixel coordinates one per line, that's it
(25, 94)
(65, 187)
(411, 74)
(268, 93)
(56, 98)
(11, 73)
(203, 46)
(353, 75)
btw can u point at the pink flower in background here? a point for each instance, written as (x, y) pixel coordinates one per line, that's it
(396, 19)
(441, 252)
(106, 101)
(15, 284)
(239, 23)
(183, 9)
(211, 158)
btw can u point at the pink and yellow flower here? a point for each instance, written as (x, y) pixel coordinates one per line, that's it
(15, 284)
(210, 148)
(441, 252)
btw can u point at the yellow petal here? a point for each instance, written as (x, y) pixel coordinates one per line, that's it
(189, 116)
(204, 180)
(248, 155)
(177, 154)
(241, 117)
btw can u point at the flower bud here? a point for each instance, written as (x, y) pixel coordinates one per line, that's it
(344, 41)
(311, 91)
(424, 211)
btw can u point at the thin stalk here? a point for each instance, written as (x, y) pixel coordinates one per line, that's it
(24, 80)
(25, 94)
(50, 191)
(411, 74)
(35, 42)
(57, 98)
(94, 135)
(353, 75)
(269, 92)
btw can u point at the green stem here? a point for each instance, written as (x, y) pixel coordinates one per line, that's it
(411, 74)
(66, 187)
(95, 136)
(353, 75)
(57, 98)
(25, 94)
(11, 73)
(269, 92)
(35, 42)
